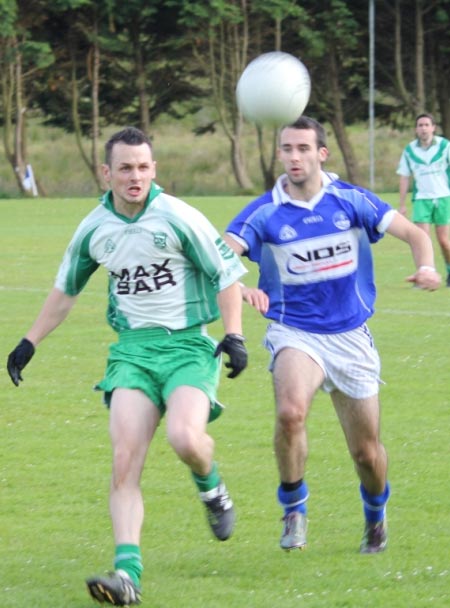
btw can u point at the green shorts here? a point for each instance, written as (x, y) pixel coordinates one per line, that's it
(432, 211)
(157, 361)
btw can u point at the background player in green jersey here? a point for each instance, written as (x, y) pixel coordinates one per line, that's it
(170, 274)
(427, 160)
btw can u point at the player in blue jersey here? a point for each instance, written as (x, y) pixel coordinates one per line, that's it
(169, 275)
(427, 161)
(311, 238)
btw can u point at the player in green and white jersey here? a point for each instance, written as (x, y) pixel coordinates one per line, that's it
(427, 160)
(170, 274)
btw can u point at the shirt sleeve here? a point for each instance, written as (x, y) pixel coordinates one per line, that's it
(403, 166)
(204, 247)
(376, 215)
(249, 226)
(77, 264)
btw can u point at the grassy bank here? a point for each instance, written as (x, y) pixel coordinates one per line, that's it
(189, 164)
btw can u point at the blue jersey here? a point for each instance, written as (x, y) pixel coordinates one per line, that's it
(314, 257)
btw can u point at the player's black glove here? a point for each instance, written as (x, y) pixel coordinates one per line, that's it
(233, 346)
(19, 358)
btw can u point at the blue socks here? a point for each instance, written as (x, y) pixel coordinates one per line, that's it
(374, 506)
(293, 496)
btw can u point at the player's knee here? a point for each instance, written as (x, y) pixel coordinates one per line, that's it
(366, 456)
(125, 467)
(186, 444)
(444, 244)
(291, 417)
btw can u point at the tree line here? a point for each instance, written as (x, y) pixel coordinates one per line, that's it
(86, 64)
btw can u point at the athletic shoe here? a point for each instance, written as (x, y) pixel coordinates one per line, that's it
(448, 280)
(115, 588)
(375, 537)
(294, 531)
(219, 511)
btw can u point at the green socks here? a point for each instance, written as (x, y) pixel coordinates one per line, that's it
(208, 482)
(129, 559)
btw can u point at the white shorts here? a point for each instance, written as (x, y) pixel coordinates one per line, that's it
(349, 360)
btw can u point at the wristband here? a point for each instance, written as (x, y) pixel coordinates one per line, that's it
(427, 268)
(238, 337)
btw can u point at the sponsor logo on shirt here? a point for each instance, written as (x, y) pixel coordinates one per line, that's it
(313, 219)
(226, 252)
(317, 259)
(133, 281)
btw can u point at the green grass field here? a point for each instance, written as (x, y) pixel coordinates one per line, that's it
(55, 454)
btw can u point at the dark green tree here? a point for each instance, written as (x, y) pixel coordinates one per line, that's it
(117, 63)
(22, 60)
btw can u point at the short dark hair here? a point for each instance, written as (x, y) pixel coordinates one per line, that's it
(130, 136)
(425, 115)
(305, 122)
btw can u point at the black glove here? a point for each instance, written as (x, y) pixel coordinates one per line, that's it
(19, 358)
(233, 346)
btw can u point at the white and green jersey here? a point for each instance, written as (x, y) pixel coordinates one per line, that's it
(430, 168)
(165, 265)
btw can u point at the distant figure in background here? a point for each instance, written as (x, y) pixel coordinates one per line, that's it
(427, 160)
(170, 274)
(311, 237)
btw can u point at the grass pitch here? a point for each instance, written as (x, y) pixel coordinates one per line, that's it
(55, 454)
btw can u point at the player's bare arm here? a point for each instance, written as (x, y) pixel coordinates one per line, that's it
(403, 189)
(255, 297)
(229, 301)
(55, 309)
(426, 276)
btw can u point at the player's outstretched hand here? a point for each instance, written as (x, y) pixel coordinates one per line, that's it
(426, 278)
(256, 298)
(19, 358)
(233, 346)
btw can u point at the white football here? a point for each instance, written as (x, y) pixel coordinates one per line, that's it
(273, 89)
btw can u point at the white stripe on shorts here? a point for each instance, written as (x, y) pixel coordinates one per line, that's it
(349, 360)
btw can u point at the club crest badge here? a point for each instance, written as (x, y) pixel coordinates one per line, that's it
(109, 246)
(160, 240)
(287, 233)
(341, 220)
